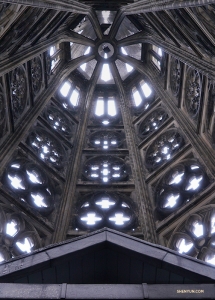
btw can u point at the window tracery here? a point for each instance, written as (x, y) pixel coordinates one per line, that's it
(18, 87)
(114, 210)
(30, 184)
(106, 169)
(163, 148)
(179, 185)
(196, 236)
(17, 235)
(193, 93)
(58, 121)
(36, 74)
(48, 148)
(152, 122)
(106, 139)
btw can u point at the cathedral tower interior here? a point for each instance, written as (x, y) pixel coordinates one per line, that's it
(107, 119)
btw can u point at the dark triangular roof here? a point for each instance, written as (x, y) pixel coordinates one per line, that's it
(106, 256)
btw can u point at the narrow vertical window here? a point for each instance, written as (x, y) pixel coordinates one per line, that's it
(99, 107)
(136, 96)
(111, 107)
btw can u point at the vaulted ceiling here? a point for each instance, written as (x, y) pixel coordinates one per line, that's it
(107, 119)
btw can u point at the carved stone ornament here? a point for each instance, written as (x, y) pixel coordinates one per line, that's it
(36, 74)
(193, 93)
(48, 64)
(18, 91)
(196, 235)
(175, 76)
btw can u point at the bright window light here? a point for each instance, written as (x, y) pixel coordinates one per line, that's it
(177, 177)
(171, 201)
(11, 228)
(87, 51)
(39, 200)
(198, 229)
(26, 246)
(124, 51)
(137, 97)
(146, 90)
(119, 219)
(52, 50)
(111, 108)
(91, 219)
(106, 74)
(210, 259)
(1, 258)
(74, 97)
(65, 89)
(83, 66)
(16, 182)
(213, 224)
(129, 68)
(105, 203)
(184, 245)
(34, 177)
(99, 107)
(160, 53)
(194, 183)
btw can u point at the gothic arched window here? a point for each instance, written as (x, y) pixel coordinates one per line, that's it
(152, 122)
(106, 139)
(47, 147)
(102, 209)
(105, 169)
(163, 148)
(70, 95)
(179, 185)
(142, 96)
(106, 112)
(31, 184)
(196, 236)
